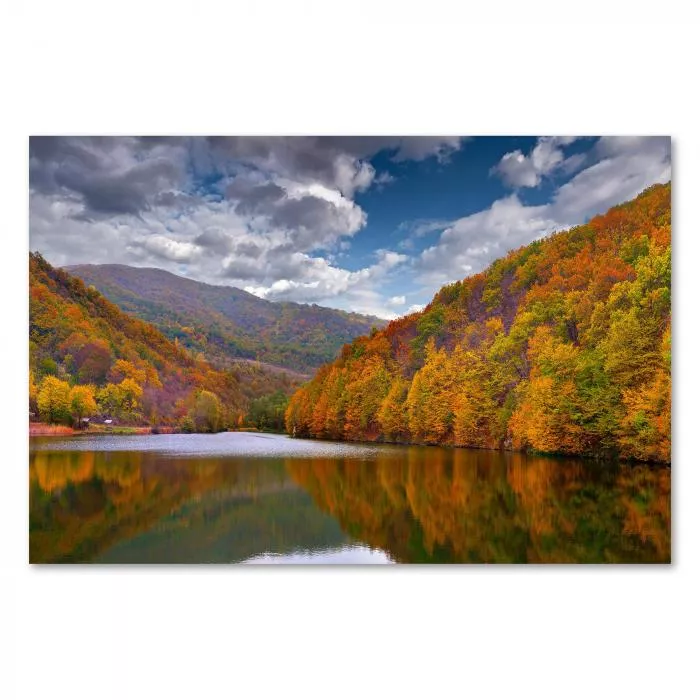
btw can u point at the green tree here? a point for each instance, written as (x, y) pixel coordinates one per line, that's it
(267, 412)
(207, 412)
(33, 392)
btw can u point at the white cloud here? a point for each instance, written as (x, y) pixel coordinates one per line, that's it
(383, 179)
(622, 167)
(169, 249)
(421, 147)
(315, 280)
(473, 241)
(519, 170)
(397, 300)
(285, 215)
(252, 212)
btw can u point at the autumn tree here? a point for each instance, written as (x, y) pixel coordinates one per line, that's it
(121, 400)
(130, 395)
(393, 412)
(123, 369)
(474, 405)
(93, 361)
(430, 400)
(53, 400)
(365, 393)
(82, 402)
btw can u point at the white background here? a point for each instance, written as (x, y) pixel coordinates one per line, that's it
(353, 67)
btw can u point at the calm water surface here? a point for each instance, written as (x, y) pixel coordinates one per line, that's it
(267, 499)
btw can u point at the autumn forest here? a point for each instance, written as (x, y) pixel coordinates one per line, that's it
(562, 346)
(89, 359)
(439, 368)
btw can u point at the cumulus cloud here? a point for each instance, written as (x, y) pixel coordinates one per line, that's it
(519, 170)
(339, 162)
(168, 249)
(277, 215)
(471, 242)
(268, 213)
(107, 175)
(301, 277)
(621, 168)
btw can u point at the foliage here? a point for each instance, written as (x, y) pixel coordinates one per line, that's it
(225, 323)
(267, 412)
(207, 412)
(132, 371)
(82, 402)
(417, 505)
(561, 346)
(54, 400)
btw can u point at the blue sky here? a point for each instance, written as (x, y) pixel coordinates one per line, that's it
(369, 224)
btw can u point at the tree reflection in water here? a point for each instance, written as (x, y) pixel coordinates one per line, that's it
(441, 505)
(417, 504)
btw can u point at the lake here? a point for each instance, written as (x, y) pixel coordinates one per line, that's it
(269, 499)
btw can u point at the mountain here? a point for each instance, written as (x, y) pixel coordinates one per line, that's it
(562, 346)
(126, 367)
(224, 322)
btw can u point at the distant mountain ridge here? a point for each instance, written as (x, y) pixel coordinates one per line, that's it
(224, 322)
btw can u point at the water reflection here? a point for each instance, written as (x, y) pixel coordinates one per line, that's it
(356, 554)
(325, 506)
(482, 506)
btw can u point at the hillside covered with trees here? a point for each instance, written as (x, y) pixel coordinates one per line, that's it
(226, 323)
(90, 359)
(563, 346)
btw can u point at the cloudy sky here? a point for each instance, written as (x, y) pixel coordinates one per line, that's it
(368, 224)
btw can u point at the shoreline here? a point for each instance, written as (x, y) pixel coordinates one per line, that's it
(508, 450)
(48, 430)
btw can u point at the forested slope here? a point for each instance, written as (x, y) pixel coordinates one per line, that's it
(562, 346)
(226, 323)
(87, 358)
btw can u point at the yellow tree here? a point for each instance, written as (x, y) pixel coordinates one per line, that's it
(546, 417)
(645, 428)
(336, 398)
(109, 399)
(430, 400)
(120, 399)
(392, 414)
(53, 400)
(82, 401)
(130, 395)
(475, 410)
(123, 369)
(365, 392)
